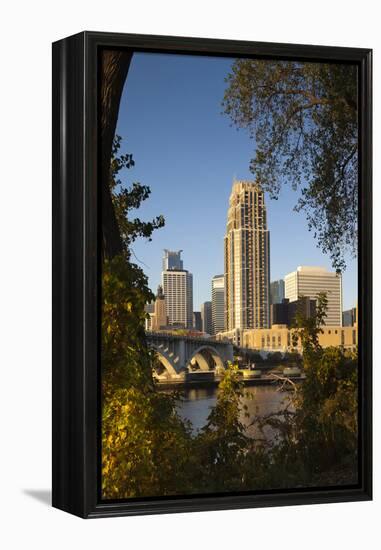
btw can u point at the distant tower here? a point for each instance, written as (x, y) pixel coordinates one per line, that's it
(159, 318)
(247, 259)
(206, 316)
(178, 290)
(218, 304)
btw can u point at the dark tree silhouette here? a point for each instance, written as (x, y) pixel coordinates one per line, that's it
(114, 68)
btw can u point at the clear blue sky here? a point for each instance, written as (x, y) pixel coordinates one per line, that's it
(187, 153)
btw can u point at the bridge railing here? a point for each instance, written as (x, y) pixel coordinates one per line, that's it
(165, 335)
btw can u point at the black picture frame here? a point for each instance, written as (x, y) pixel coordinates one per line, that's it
(76, 273)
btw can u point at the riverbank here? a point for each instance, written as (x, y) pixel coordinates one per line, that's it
(264, 380)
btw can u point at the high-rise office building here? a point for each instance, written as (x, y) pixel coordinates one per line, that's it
(206, 316)
(247, 259)
(172, 259)
(177, 284)
(218, 304)
(277, 292)
(310, 281)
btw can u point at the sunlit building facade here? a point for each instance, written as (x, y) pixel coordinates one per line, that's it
(247, 259)
(282, 338)
(177, 284)
(160, 317)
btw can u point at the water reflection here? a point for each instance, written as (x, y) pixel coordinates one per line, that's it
(260, 400)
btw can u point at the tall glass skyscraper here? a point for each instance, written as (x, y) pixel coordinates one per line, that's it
(172, 259)
(247, 259)
(218, 304)
(277, 291)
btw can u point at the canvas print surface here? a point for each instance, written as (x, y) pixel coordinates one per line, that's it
(229, 195)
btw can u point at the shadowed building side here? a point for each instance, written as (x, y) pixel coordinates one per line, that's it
(206, 317)
(285, 313)
(197, 320)
(277, 291)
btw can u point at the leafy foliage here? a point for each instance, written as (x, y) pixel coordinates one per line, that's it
(303, 117)
(146, 447)
(327, 403)
(308, 329)
(125, 357)
(318, 431)
(126, 360)
(223, 443)
(127, 199)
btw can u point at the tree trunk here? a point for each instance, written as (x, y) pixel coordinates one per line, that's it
(114, 68)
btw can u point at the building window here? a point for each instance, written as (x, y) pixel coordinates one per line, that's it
(354, 337)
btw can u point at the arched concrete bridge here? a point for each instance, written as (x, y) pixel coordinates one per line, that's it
(179, 354)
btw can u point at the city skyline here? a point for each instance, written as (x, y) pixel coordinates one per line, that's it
(191, 181)
(311, 281)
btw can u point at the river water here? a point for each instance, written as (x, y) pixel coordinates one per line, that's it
(260, 400)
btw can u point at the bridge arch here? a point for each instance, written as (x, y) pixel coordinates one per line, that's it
(202, 357)
(164, 360)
